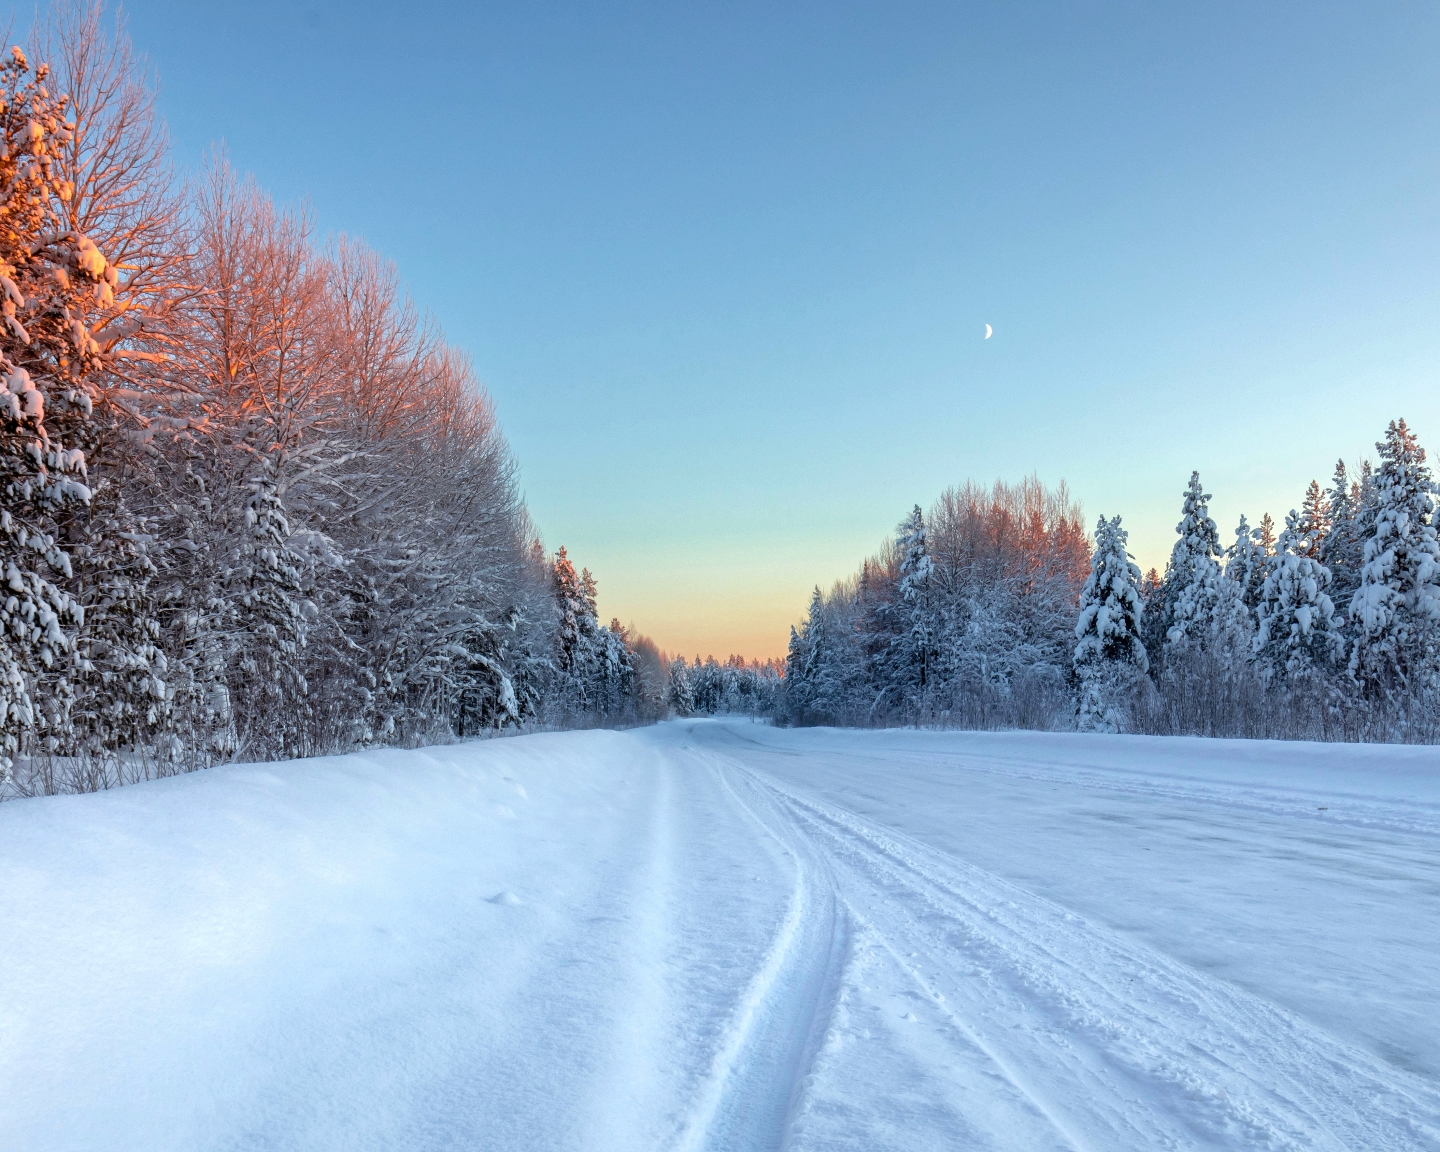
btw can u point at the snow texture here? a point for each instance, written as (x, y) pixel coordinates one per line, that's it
(720, 935)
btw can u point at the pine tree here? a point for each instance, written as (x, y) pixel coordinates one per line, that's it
(1109, 656)
(1397, 605)
(1265, 535)
(1312, 525)
(1297, 636)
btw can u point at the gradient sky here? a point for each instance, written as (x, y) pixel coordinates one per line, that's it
(726, 269)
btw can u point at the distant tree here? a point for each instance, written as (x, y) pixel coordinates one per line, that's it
(680, 696)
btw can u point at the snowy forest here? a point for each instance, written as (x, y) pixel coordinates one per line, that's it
(254, 505)
(996, 610)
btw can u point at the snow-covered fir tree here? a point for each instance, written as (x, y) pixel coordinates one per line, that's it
(1109, 657)
(575, 637)
(680, 695)
(615, 670)
(1298, 637)
(1343, 549)
(56, 290)
(909, 663)
(1193, 579)
(1396, 608)
(1246, 563)
(824, 675)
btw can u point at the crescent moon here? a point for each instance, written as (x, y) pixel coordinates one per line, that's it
(989, 331)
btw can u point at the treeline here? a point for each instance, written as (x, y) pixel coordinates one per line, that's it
(736, 687)
(995, 611)
(252, 503)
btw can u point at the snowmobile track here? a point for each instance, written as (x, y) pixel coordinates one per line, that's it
(1110, 1041)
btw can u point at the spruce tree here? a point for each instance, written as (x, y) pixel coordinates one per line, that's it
(1109, 656)
(1298, 636)
(264, 581)
(910, 660)
(1343, 550)
(576, 637)
(122, 699)
(1396, 608)
(1193, 578)
(1245, 563)
(680, 696)
(56, 287)
(615, 673)
(806, 687)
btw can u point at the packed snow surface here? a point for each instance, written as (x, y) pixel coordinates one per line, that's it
(719, 935)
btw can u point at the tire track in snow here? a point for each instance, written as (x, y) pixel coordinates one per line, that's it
(757, 1076)
(1118, 1045)
(779, 821)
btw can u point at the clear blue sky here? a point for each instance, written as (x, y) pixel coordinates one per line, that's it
(726, 269)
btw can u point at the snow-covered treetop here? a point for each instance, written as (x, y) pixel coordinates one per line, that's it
(1245, 564)
(1312, 525)
(1199, 538)
(915, 563)
(1297, 629)
(1404, 486)
(1341, 497)
(1297, 538)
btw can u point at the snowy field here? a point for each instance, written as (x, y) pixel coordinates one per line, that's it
(718, 935)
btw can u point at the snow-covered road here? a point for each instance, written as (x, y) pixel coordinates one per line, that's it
(718, 935)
